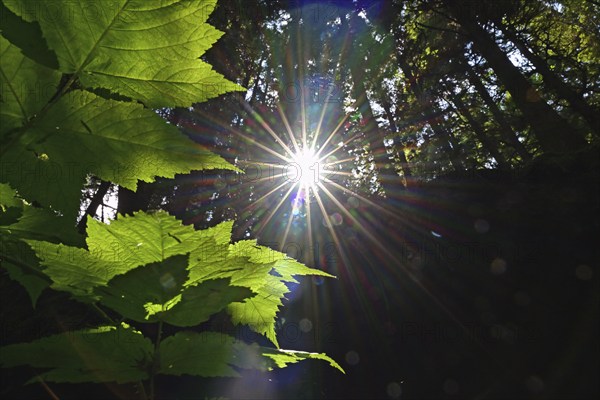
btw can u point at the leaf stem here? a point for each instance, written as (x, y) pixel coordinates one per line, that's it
(103, 314)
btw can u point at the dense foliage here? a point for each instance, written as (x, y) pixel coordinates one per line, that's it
(93, 94)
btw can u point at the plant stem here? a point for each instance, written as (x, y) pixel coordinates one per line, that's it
(47, 388)
(103, 314)
(142, 390)
(156, 361)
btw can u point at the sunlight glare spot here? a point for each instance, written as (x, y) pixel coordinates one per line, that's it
(306, 166)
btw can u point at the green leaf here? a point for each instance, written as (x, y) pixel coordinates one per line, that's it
(116, 141)
(260, 312)
(26, 87)
(27, 36)
(8, 197)
(41, 224)
(30, 223)
(282, 358)
(73, 269)
(230, 273)
(211, 354)
(156, 283)
(23, 266)
(106, 354)
(146, 50)
(174, 85)
(283, 266)
(114, 249)
(259, 268)
(199, 302)
(140, 239)
(207, 354)
(155, 292)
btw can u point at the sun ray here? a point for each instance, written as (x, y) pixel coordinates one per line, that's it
(270, 192)
(395, 261)
(260, 145)
(348, 159)
(288, 128)
(354, 281)
(342, 173)
(326, 216)
(287, 229)
(268, 178)
(337, 148)
(263, 164)
(266, 126)
(413, 223)
(351, 217)
(360, 197)
(272, 213)
(320, 123)
(309, 223)
(331, 135)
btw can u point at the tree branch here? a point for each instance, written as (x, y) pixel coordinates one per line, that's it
(94, 204)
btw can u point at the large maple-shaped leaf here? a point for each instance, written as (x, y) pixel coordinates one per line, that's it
(215, 268)
(261, 269)
(114, 249)
(106, 354)
(116, 141)
(145, 49)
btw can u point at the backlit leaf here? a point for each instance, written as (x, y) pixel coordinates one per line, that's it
(107, 354)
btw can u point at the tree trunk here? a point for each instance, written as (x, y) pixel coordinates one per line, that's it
(487, 142)
(398, 147)
(93, 206)
(552, 131)
(508, 133)
(130, 201)
(578, 104)
(448, 142)
(383, 164)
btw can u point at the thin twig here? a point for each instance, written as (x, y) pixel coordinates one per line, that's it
(50, 392)
(103, 314)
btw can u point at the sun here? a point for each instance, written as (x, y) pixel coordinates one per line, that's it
(305, 168)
